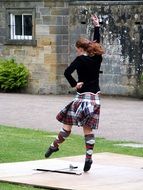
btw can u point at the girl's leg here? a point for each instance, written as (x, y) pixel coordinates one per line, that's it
(89, 144)
(63, 134)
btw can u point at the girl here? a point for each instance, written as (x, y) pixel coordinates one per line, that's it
(84, 110)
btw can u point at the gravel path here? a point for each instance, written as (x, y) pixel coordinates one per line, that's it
(121, 118)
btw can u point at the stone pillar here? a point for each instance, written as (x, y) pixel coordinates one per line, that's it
(52, 37)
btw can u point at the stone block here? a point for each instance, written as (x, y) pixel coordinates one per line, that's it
(59, 49)
(30, 4)
(2, 31)
(52, 20)
(62, 39)
(59, 11)
(62, 49)
(52, 77)
(47, 50)
(65, 40)
(38, 15)
(58, 29)
(65, 20)
(46, 41)
(61, 68)
(20, 52)
(5, 51)
(62, 89)
(2, 39)
(42, 30)
(31, 52)
(39, 21)
(59, 58)
(59, 39)
(2, 19)
(54, 4)
(116, 70)
(63, 58)
(50, 59)
(45, 11)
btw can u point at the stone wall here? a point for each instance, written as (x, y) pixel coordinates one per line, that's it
(48, 58)
(57, 26)
(122, 38)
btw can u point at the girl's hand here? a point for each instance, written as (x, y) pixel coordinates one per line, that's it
(79, 85)
(95, 20)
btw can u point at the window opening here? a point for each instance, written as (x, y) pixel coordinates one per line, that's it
(21, 27)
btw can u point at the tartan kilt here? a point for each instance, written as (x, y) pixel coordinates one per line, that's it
(84, 110)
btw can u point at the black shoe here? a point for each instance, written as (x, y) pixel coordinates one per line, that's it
(50, 151)
(87, 165)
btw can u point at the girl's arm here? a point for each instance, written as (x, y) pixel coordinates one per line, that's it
(68, 73)
(95, 21)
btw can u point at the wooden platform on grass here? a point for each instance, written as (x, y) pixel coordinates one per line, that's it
(109, 172)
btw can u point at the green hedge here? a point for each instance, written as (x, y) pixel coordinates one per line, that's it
(13, 76)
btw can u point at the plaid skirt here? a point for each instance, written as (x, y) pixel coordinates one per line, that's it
(84, 110)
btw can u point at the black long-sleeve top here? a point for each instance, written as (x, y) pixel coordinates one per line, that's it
(88, 68)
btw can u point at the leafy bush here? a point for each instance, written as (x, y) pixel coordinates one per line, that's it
(13, 76)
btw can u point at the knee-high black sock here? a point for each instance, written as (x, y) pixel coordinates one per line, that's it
(89, 143)
(63, 134)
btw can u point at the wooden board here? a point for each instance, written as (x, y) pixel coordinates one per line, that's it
(109, 171)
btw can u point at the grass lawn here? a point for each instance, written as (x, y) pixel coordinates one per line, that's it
(18, 144)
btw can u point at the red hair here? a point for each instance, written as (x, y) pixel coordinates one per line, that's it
(92, 48)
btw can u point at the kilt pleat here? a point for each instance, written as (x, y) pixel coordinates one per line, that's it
(84, 110)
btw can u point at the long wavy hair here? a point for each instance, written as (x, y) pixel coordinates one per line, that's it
(91, 47)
